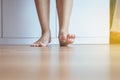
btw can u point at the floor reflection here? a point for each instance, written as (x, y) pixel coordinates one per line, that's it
(45, 66)
(83, 62)
(93, 62)
(115, 62)
(64, 63)
(76, 62)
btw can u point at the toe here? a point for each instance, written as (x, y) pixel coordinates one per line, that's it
(71, 41)
(42, 44)
(72, 36)
(33, 45)
(63, 38)
(69, 35)
(37, 45)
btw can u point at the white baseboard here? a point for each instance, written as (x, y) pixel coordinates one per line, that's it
(81, 40)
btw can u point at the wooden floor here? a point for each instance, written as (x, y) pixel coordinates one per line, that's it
(76, 62)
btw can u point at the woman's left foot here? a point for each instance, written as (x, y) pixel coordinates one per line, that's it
(66, 39)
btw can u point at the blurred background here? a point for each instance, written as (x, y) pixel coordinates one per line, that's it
(20, 25)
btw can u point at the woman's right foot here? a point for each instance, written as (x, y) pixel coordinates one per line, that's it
(44, 40)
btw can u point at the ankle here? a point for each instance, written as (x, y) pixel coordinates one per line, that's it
(63, 32)
(46, 33)
(46, 36)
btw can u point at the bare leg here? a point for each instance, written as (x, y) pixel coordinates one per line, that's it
(42, 7)
(64, 8)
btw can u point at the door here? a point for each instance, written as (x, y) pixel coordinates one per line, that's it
(20, 19)
(0, 19)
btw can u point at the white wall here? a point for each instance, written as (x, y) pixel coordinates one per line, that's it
(89, 21)
(90, 18)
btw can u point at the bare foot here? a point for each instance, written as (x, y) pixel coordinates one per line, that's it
(43, 41)
(66, 39)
